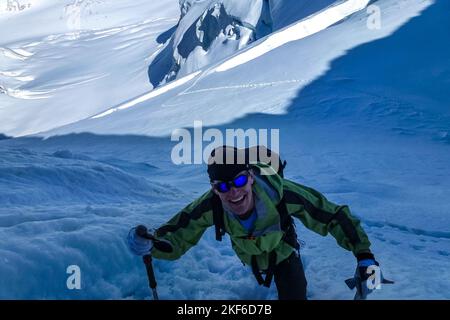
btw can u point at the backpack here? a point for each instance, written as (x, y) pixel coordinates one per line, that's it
(286, 221)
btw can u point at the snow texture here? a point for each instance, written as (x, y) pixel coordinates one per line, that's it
(363, 115)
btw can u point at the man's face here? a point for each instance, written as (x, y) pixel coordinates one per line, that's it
(238, 200)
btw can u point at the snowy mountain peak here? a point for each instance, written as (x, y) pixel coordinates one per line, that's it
(207, 32)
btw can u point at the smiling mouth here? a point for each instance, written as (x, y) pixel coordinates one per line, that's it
(238, 200)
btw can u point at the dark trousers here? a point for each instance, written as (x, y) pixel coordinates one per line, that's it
(290, 279)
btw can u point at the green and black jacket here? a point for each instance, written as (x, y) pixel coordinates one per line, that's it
(185, 229)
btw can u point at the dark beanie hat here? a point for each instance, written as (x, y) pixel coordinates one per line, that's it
(226, 162)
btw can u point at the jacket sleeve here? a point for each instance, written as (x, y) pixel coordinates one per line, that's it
(186, 228)
(323, 217)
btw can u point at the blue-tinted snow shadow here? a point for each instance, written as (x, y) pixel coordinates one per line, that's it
(398, 83)
(4, 137)
(161, 65)
(163, 62)
(287, 12)
(163, 37)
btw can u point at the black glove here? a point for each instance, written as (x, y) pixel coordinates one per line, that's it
(365, 260)
(361, 281)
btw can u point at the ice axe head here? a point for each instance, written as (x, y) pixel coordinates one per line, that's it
(163, 246)
(142, 231)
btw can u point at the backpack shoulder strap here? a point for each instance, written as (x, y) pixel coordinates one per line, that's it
(269, 272)
(282, 166)
(287, 225)
(218, 220)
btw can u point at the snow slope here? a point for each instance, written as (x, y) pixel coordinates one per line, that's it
(62, 69)
(78, 59)
(304, 61)
(363, 117)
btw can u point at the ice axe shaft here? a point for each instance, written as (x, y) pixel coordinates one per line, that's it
(142, 231)
(150, 275)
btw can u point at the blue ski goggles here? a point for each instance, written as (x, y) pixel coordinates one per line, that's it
(238, 182)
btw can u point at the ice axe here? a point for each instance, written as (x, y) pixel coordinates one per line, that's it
(142, 232)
